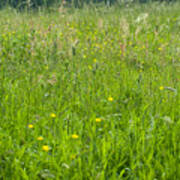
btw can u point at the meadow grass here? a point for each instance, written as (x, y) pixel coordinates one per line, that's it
(90, 93)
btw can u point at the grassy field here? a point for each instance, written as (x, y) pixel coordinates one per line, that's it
(90, 94)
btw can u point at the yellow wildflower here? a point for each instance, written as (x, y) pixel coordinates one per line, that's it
(110, 99)
(95, 60)
(30, 126)
(53, 115)
(40, 138)
(161, 88)
(45, 148)
(75, 136)
(98, 120)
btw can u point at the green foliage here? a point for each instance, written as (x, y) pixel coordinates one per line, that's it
(28, 3)
(76, 3)
(90, 94)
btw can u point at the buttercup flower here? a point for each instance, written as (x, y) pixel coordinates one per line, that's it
(40, 138)
(98, 120)
(75, 136)
(45, 148)
(110, 99)
(30, 126)
(53, 115)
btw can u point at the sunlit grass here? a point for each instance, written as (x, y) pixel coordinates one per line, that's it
(90, 94)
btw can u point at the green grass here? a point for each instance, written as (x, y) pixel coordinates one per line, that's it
(70, 63)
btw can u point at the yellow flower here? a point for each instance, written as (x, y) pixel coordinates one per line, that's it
(161, 88)
(45, 148)
(53, 115)
(98, 120)
(75, 136)
(40, 138)
(30, 126)
(95, 60)
(110, 99)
